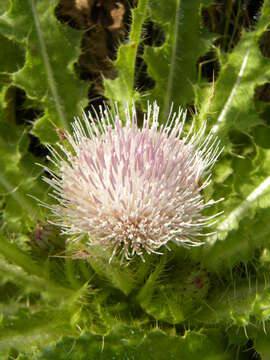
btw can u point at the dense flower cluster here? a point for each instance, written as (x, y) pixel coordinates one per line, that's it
(132, 188)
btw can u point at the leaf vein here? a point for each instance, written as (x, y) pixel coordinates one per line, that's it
(48, 68)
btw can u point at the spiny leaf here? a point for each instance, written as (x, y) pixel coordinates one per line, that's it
(11, 55)
(258, 197)
(16, 256)
(47, 75)
(24, 329)
(111, 272)
(24, 270)
(132, 343)
(19, 177)
(244, 225)
(239, 245)
(243, 302)
(171, 300)
(14, 186)
(232, 112)
(262, 343)
(122, 88)
(173, 64)
(241, 71)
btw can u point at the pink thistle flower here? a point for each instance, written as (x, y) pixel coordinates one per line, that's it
(132, 189)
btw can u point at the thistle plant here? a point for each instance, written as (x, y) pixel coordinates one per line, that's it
(132, 189)
(133, 255)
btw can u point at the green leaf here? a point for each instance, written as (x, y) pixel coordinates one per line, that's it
(242, 303)
(239, 245)
(231, 110)
(4, 6)
(25, 329)
(122, 88)
(132, 343)
(27, 273)
(173, 65)
(19, 177)
(47, 75)
(244, 225)
(14, 186)
(16, 256)
(232, 113)
(11, 55)
(262, 344)
(174, 299)
(241, 71)
(111, 272)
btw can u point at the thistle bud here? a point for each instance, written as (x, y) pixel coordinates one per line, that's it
(45, 240)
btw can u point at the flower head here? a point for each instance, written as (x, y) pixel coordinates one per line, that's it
(132, 189)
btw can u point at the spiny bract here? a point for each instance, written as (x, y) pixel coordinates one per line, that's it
(132, 189)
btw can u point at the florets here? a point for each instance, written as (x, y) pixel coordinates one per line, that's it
(132, 189)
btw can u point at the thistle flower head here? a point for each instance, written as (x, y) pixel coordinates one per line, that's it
(130, 188)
